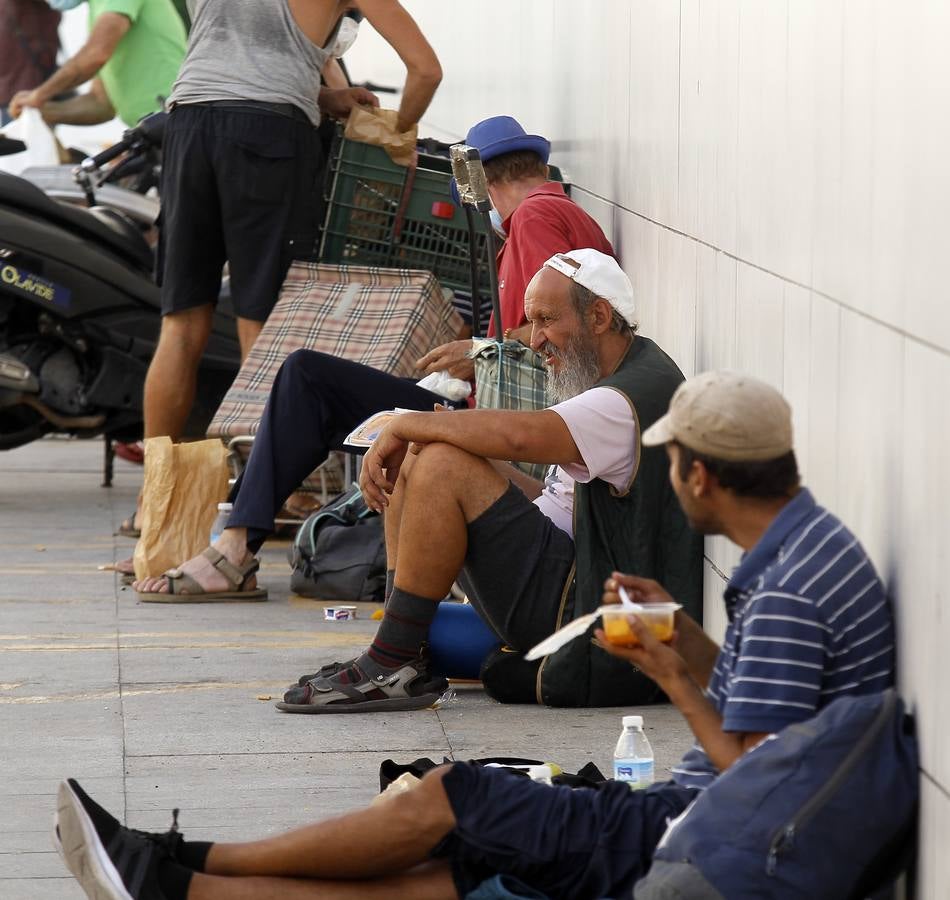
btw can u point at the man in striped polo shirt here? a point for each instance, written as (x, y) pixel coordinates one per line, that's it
(808, 621)
(808, 617)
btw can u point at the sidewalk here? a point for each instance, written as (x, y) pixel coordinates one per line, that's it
(153, 706)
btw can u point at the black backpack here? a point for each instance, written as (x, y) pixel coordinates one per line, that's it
(339, 552)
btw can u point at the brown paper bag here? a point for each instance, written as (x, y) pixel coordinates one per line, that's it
(183, 485)
(378, 126)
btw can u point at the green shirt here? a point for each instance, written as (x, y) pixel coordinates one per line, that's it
(146, 61)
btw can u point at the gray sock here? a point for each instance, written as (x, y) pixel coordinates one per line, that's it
(403, 630)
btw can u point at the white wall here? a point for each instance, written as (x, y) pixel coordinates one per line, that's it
(775, 175)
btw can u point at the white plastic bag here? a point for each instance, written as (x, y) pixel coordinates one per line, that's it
(41, 149)
(445, 385)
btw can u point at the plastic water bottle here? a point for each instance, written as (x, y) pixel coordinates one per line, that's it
(633, 758)
(221, 522)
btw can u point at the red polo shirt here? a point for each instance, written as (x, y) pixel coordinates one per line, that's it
(546, 222)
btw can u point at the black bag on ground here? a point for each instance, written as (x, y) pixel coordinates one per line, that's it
(339, 552)
(589, 776)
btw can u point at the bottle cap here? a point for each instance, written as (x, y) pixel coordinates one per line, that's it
(225, 507)
(633, 721)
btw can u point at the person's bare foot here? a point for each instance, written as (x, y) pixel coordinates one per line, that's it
(232, 543)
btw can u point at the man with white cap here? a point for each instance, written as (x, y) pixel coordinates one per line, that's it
(317, 399)
(809, 622)
(526, 566)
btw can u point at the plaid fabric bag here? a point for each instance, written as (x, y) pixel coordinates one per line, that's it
(514, 380)
(384, 318)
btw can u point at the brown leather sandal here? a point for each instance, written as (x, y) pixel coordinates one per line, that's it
(182, 588)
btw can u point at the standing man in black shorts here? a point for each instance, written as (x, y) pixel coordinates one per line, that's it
(242, 166)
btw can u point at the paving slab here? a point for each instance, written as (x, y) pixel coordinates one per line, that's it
(155, 706)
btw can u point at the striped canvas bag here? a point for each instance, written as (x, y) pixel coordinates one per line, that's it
(384, 318)
(513, 379)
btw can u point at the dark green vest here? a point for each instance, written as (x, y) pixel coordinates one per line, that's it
(641, 531)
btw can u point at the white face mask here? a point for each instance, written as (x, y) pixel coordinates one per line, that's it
(496, 223)
(345, 36)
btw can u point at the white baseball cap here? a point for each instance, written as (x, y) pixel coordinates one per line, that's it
(601, 275)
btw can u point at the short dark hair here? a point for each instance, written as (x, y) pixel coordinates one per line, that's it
(583, 299)
(763, 480)
(514, 166)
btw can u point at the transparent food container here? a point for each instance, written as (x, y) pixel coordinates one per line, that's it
(658, 617)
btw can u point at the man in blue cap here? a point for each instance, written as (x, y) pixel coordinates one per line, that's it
(534, 216)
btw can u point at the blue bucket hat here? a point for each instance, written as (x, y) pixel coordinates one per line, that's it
(497, 136)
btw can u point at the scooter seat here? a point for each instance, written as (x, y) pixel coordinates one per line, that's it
(21, 194)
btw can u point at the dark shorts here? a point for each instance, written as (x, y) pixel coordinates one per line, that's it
(563, 842)
(517, 569)
(241, 184)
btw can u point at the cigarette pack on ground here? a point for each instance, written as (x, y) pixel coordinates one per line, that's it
(339, 613)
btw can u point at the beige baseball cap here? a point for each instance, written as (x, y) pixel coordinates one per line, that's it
(601, 275)
(726, 415)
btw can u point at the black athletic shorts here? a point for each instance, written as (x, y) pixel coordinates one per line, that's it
(570, 843)
(240, 183)
(518, 566)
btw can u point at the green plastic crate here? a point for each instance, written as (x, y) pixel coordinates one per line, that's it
(363, 224)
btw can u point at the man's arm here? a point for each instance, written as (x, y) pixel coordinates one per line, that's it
(333, 76)
(669, 670)
(338, 103)
(535, 436)
(452, 358)
(106, 33)
(90, 108)
(423, 72)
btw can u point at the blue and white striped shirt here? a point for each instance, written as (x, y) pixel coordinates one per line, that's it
(808, 621)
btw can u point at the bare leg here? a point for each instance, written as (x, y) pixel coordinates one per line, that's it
(172, 375)
(393, 512)
(430, 882)
(172, 378)
(247, 330)
(374, 842)
(447, 486)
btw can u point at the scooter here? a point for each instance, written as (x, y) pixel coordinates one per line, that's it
(79, 315)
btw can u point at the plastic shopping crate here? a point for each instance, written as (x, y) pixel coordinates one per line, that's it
(375, 219)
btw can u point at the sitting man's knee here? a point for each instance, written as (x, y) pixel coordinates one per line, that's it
(425, 806)
(302, 358)
(443, 460)
(312, 368)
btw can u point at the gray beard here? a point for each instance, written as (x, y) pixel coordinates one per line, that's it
(579, 370)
